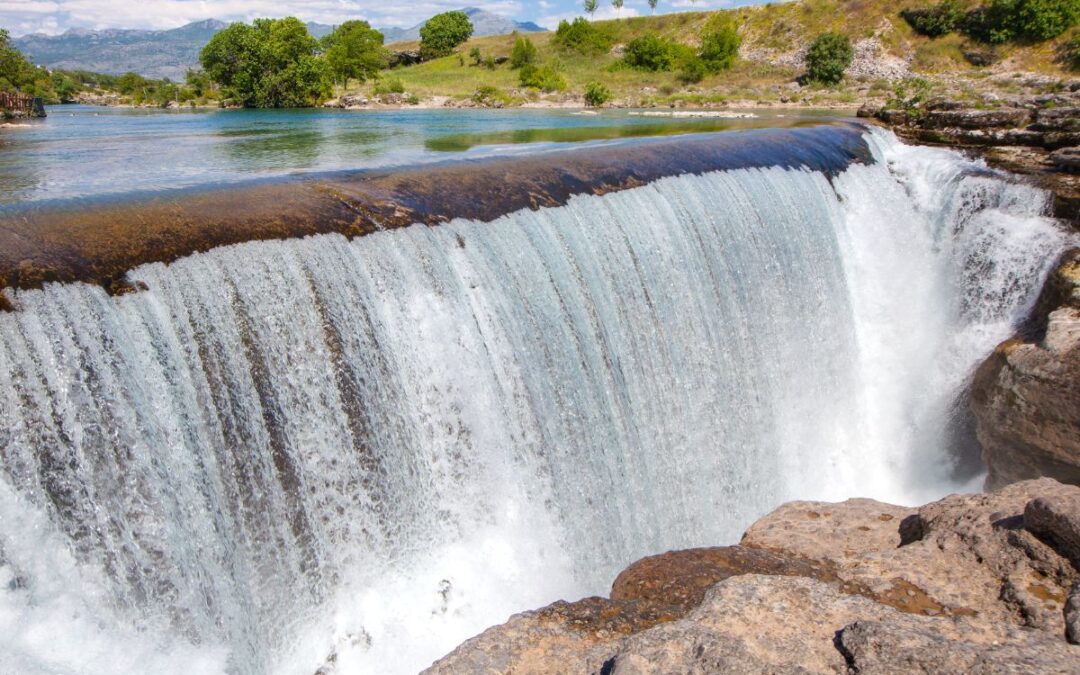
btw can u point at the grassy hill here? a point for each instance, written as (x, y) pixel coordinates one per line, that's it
(774, 38)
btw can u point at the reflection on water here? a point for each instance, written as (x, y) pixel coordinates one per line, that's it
(86, 151)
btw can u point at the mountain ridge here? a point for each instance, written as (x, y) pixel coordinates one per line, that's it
(170, 53)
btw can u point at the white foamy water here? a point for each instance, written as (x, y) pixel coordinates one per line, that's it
(356, 454)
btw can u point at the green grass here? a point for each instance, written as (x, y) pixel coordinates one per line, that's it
(780, 28)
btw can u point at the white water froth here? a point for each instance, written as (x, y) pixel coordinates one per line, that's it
(356, 454)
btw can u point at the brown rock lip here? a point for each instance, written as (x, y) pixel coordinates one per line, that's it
(99, 242)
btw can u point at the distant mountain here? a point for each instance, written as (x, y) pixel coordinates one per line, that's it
(484, 23)
(165, 53)
(169, 53)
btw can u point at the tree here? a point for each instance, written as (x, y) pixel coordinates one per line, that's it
(828, 57)
(652, 6)
(272, 63)
(442, 33)
(720, 43)
(354, 51)
(523, 53)
(590, 7)
(617, 4)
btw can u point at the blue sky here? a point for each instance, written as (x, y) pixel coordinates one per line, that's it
(56, 16)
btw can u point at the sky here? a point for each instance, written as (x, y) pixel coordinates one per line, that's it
(20, 17)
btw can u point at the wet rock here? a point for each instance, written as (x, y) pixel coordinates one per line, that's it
(1026, 395)
(681, 578)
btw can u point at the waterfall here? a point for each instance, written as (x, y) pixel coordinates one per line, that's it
(354, 454)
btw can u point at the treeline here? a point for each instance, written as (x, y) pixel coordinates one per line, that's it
(1000, 21)
(276, 63)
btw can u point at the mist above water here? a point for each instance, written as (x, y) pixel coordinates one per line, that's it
(359, 453)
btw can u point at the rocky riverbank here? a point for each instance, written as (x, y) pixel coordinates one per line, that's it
(1036, 136)
(971, 583)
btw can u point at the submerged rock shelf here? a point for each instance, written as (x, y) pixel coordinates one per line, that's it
(99, 242)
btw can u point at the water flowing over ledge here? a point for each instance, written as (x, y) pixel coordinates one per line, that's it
(366, 450)
(99, 242)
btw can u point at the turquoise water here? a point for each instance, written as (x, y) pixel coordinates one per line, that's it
(86, 151)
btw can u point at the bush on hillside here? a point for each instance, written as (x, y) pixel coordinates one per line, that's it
(941, 19)
(582, 37)
(1025, 20)
(720, 43)
(523, 53)
(544, 78)
(693, 71)
(1072, 53)
(649, 52)
(391, 86)
(829, 56)
(442, 33)
(596, 94)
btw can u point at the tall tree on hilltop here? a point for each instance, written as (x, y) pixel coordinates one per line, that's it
(652, 6)
(617, 4)
(590, 7)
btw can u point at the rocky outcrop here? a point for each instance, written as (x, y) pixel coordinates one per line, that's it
(971, 583)
(1026, 396)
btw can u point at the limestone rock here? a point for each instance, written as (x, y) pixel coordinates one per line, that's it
(1056, 520)
(883, 648)
(976, 119)
(1067, 159)
(1026, 396)
(1072, 615)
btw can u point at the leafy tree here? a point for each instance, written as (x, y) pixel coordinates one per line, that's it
(720, 43)
(596, 94)
(649, 52)
(941, 19)
(828, 57)
(443, 32)
(652, 6)
(269, 64)
(618, 5)
(199, 83)
(581, 36)
(523, 53)
(18, 73)
(354, 51)
(590, 6)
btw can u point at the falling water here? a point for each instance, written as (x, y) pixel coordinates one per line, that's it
(355, 454)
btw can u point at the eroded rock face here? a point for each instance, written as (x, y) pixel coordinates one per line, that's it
(972, 583)
(1026, 396)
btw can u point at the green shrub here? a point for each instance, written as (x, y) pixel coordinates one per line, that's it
(941, 19)
(693, 71)
(487, 95)
(391, 86)
(545, 78)
(1072, 53)
(909, 94)
(649, 52)
(596, 94)
(720, 43)
(828, 57)
(442, 33)
(475, 56)
(523, 53)
(581, 36)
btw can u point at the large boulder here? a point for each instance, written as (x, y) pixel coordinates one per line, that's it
(1026, 396)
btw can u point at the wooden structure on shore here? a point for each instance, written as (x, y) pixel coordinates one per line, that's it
(21, 105)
